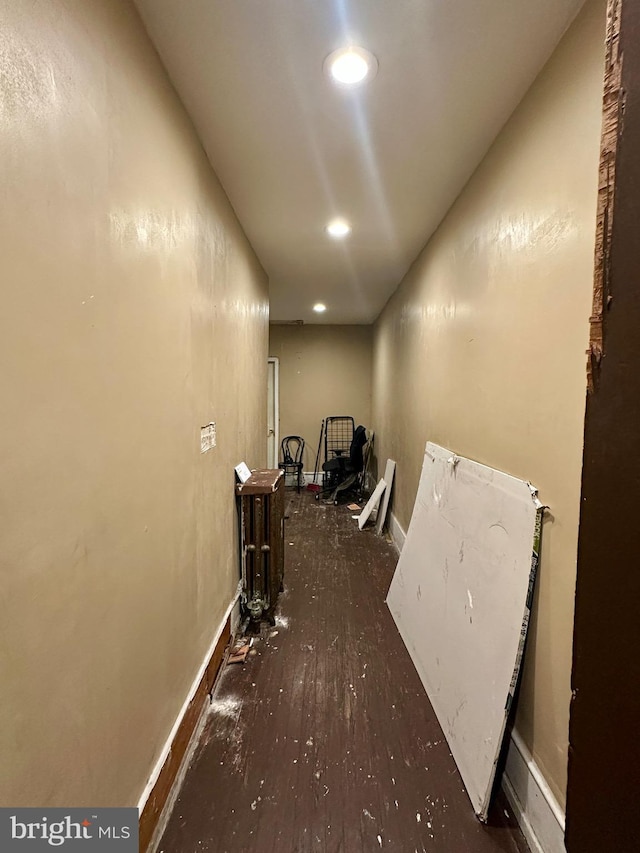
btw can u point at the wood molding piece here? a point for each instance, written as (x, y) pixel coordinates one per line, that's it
(613, 112)
(389, 472)
(162, 788)
(373, 502)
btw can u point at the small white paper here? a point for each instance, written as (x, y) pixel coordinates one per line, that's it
(207, 437)
(242, 471)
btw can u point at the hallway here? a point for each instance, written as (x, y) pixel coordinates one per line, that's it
(324, 740)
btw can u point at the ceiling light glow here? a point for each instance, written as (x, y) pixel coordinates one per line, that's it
(350, 66)
(338, 228)
(319, 307)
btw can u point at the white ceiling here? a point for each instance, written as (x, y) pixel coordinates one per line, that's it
(292, 150)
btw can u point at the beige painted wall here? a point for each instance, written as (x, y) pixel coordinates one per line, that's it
(324, 370)
(482, 348)
(134, 312)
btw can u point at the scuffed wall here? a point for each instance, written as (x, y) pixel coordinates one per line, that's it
(482, 347)
(134, 312)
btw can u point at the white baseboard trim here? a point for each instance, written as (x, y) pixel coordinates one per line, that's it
(396, 532)
(170, 802)
(164, 754)
(536, 809)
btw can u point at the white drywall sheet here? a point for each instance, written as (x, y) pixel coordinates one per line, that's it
(384, 506)
(461, 596)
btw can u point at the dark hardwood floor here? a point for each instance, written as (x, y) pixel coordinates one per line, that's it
(324, 739)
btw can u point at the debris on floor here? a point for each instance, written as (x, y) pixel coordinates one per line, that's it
(239, 652)
(299, 726)
(353, 507)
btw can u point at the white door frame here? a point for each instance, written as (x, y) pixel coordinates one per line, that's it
(273, 406)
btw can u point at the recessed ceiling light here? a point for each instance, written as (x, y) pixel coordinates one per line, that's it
(350, 66)
(319, 307)
(338, 228)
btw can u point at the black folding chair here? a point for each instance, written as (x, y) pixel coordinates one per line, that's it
(291, 453)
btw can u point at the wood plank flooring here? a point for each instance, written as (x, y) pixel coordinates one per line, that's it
(324, 740)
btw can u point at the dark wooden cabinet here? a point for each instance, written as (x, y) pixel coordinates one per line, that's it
(261, 508)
